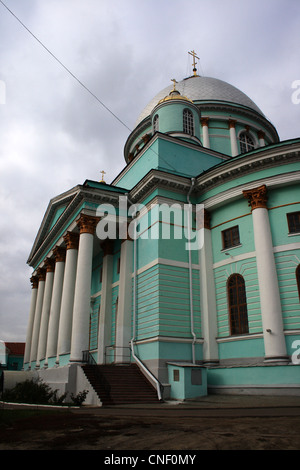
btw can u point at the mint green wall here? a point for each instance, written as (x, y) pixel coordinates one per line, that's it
(227, 216)
(286, 264)
(242, 348)
(171, 117)
(265, 375)
(281, 202)
(175, 157)
(247, 268)
(163, 303)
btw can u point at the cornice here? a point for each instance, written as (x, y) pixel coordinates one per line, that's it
(266, 157)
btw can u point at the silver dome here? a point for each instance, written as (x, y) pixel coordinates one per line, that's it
(203, 89)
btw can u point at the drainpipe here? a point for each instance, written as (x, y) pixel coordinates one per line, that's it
(191, 273)
(132, 341)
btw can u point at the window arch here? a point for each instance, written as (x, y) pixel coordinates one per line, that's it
(188, 122)
(298, 279)
(156, 123)
(247, 142)
(237, 305)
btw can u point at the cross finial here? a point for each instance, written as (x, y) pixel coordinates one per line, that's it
(103, 173)
(174, 83)
(193, 53)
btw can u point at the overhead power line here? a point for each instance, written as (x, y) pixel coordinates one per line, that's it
(66, 68)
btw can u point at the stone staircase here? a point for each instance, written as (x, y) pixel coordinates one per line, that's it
(120, 384)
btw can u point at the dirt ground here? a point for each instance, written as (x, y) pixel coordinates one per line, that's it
(168, 428)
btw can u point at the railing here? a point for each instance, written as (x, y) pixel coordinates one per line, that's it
(87, 358)
(111, 354)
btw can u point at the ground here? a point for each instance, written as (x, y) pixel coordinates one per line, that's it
(211, 425)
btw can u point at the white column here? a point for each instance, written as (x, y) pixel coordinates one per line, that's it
(42, 345)
(104, 336)
(233, 139)
(59, 256)
(208, 297)
(82, 298)
(67, 300)
(204, 123)
(41, 274)
(34, 283)
(123, 323)
(261, 138)
(275, 347)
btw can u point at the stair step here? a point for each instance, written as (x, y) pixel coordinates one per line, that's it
(120, 384)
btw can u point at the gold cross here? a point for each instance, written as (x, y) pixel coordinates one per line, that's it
(174, 82)
(103, 173)
(193, 53)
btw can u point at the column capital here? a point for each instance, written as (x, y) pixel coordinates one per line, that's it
(41, 274)
(49, 264)
(260, 134)
(204, 121)
(71, 240)
(231, 123)
(87, 223)
(34, 282)
(59, 253)
(257, 197)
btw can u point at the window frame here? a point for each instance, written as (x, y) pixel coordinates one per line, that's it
(292, 225)
(225, 245)
(248, 147)
(188, 122)
(238, 310)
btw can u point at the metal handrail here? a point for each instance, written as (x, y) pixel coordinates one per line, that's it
(87, 358)
(112, 347)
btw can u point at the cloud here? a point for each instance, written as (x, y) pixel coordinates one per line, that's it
(54, 134)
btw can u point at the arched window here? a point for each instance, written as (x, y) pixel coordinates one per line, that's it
(246, 142)
(188, 122)
(237, 304)
(298, 279)
(156, 123)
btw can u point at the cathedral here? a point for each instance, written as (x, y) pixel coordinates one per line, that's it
(187, 265)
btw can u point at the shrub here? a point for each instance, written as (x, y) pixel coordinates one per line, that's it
(33, 392)
(79, 398)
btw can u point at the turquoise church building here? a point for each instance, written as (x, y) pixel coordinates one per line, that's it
(187, 264)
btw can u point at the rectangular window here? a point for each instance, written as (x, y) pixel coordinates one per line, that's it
(294, 222)
(231, 237)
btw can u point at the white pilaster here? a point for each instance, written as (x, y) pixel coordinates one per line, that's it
(82, 298)
(123, 324)
(233, 139)
(34, 291)
(204, 123)
(261, 138)
(67, 299)
(59, 256)
(41, 274)
(104, 336)
(208, 297)
(275, 347)
(42, 345)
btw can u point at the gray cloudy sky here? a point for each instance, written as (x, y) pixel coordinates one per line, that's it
(54, 134)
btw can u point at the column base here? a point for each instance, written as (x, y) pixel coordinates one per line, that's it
(277, 360)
